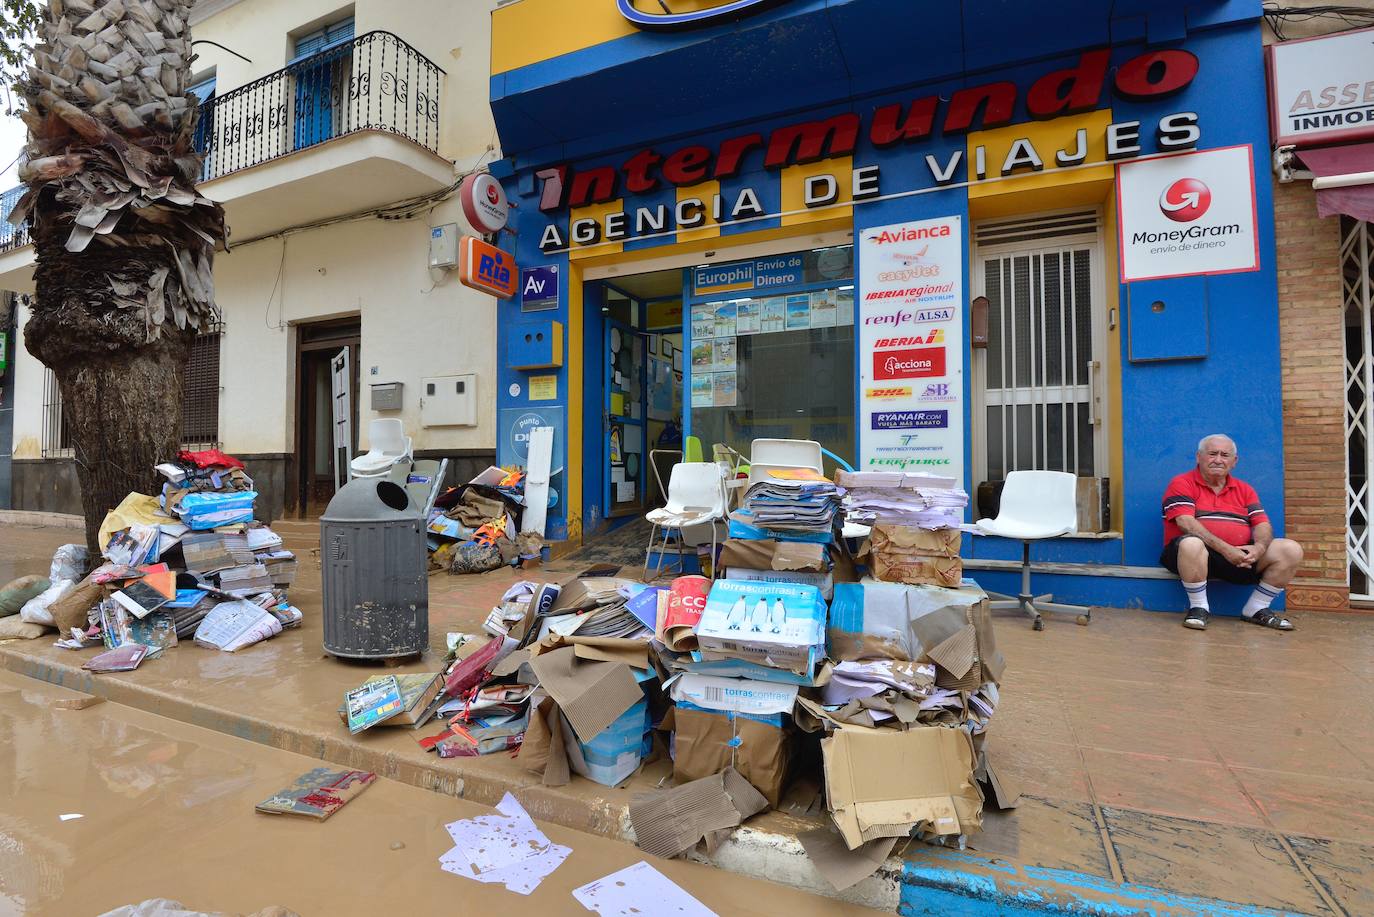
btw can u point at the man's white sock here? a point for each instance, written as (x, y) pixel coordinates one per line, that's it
(1261, 599)
(1197, 595)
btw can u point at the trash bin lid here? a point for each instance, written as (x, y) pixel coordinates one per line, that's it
(370, 500)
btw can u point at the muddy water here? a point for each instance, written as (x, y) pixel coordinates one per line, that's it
(108, 805)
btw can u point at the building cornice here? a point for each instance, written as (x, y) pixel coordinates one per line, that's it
(207, 8)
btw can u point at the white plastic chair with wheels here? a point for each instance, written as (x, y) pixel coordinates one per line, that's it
(1035, 505)
(387, 446)
(696, 496)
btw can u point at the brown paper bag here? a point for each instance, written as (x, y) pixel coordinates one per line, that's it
(71, 610)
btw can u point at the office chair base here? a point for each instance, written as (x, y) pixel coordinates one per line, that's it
(1033, 606)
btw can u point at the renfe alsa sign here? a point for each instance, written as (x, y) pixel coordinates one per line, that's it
(1072, 90)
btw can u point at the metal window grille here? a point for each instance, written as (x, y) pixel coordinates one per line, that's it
(1357, 287)
(57, 434)
(199, 406)
(200, 398)
(1038, 375)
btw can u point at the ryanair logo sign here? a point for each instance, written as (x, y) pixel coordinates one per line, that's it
(660, 15)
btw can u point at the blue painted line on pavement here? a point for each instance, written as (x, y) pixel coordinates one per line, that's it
(974, 887)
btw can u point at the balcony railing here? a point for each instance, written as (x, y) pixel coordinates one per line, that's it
(376, 82)
(11, 236)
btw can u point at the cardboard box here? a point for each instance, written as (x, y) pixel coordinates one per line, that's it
(776, 624)
(617, 750)
(918, 571)
(773, 555)
(908, 539)
(886, 782)
(954, 629)
(705, 742)
(905, 554)
(733, 695)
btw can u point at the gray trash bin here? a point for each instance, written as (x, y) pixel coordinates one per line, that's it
(373, 572)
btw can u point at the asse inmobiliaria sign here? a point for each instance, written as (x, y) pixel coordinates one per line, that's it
(1072, 90)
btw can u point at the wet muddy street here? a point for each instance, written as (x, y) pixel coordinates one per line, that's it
(107, 805)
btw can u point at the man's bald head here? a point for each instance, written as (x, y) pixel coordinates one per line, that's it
(1220, 439)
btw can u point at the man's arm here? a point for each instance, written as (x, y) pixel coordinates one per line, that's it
(1190, 526)
(1263, 534)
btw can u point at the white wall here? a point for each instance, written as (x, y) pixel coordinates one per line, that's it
(28, 395)
(415, 322)
(411, 327)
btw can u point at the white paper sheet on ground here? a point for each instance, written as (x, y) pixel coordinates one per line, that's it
(505, 849)
(639, 890)
(537, 480)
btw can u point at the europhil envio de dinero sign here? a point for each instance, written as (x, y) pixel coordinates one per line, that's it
(911, 347)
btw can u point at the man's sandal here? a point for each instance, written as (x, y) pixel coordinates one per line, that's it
(1270, 620)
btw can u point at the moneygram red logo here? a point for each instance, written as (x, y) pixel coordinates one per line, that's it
(909, 363)
(1185, 200)
(492, 194)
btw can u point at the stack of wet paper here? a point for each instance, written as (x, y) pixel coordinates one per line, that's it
(897, 498)
(794, 500)
(281, 567)
(248, 579)
(210, 552)
(594, 607)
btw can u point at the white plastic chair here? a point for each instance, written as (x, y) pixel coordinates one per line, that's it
(800, 453)
(696, 496)
(387, 446)
(1035, 505)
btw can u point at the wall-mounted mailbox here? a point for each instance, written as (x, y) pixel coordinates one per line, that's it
(535, 345)
(386, 396)
(1167, 319)
(449, 401)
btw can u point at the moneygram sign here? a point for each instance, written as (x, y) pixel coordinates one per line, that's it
(1190, 214)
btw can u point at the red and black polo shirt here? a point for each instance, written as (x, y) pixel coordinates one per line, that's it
(1229, 515)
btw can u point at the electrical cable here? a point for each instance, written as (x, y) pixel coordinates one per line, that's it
(1352, 16)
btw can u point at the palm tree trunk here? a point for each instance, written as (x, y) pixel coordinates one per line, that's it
(121, 394)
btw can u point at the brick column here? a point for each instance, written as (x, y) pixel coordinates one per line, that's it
(1312, 356)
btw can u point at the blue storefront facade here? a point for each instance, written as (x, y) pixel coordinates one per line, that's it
(1012, 236)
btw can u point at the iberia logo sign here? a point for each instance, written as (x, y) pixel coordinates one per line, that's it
(659, 14)
(1185, 200)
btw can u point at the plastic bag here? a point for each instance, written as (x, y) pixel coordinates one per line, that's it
(209, 510)
(69, 563)
(38, 610)
(15, 594)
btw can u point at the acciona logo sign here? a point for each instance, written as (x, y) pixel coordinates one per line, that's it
(1190, 214)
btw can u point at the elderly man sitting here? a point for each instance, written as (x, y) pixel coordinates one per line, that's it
(1215, 528)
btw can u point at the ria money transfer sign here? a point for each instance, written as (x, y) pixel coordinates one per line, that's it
(911, 347)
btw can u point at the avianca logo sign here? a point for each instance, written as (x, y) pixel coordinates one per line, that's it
(908, 234)
(664, 19)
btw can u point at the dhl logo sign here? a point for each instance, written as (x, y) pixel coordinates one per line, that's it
(887, 394)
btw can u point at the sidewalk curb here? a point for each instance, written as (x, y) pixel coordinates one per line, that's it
(41, 519)
(928, 881)
(759, 854)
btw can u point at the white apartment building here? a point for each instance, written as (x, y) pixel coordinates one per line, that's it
(334, 136)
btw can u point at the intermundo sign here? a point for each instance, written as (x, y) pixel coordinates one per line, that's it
(1072, 90)
(663, 18)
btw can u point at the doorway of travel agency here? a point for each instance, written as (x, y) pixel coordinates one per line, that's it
(693, 356)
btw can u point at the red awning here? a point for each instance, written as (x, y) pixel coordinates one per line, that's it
(1345, 179)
